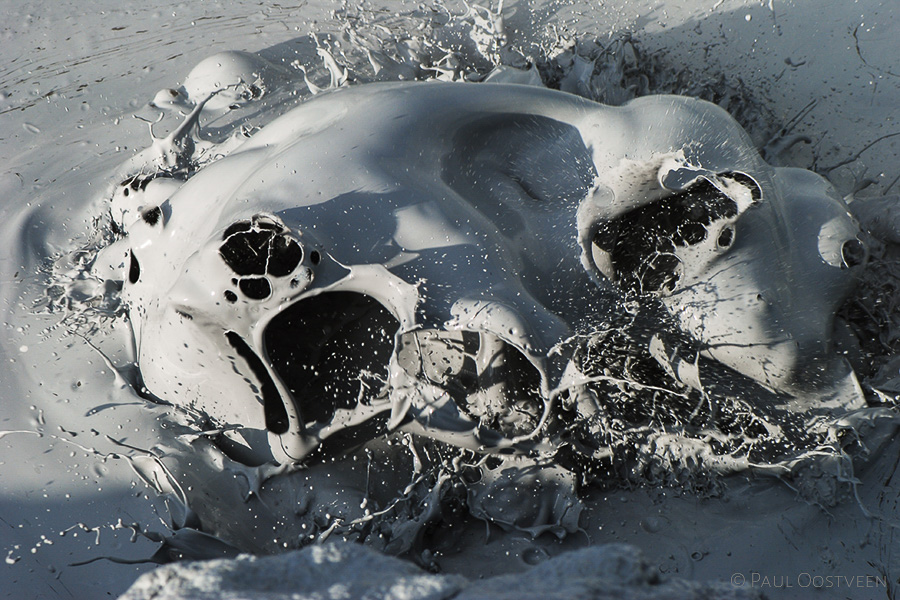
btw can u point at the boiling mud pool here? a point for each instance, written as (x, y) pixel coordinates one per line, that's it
(115, 455)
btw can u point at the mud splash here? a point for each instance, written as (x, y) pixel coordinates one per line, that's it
(644, 412)
(638, 421)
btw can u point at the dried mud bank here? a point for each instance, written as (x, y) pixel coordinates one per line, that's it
(351, 571)
(586, 398)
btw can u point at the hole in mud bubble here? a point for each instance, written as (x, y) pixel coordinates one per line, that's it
(259, 249)
(748, 182)
(489, 381)
(247, 252)
(314, 257)
(286, 254)
(256, 288)
(643, 243)
(726, 237)
(134, 268)
(231, 296)
(853, 253)
(275, 412)
(235, 228)
(152, 216)
(332, 351)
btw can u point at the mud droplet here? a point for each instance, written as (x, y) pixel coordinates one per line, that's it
(651, 524)
(30, 128)
(533, 556)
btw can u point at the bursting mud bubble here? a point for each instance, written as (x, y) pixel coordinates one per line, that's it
(420, 258)
(355, 268)
(429, 284)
